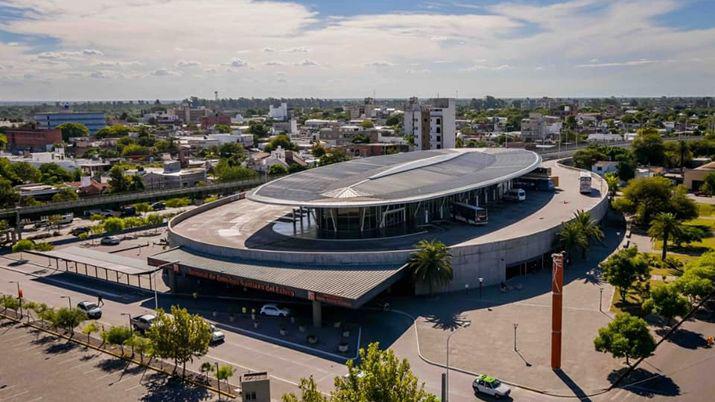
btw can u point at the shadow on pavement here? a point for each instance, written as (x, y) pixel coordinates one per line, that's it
(685, 338)
(646, 383)
(112, 364)
(484, 397)
(58, 348)
(161, 388)
(575, 388)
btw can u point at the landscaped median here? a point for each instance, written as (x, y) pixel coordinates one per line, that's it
(120, 342)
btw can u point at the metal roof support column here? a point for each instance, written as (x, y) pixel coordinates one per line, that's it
(317, 314)
(300, 215)
(293, 216)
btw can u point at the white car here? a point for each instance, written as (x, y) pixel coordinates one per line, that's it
(217, 336)
(91, 309)
(273, 310)
(485, 384)
(515, 194)
(143, 322)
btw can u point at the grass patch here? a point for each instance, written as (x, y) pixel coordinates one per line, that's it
(693, 250)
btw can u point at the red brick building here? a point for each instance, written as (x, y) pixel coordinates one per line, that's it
(26, 139)
(212, 120)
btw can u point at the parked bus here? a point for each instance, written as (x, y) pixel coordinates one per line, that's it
(471, 214)
(535, 183)
(585, 183)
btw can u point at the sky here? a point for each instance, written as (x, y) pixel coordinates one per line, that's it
(172, 49)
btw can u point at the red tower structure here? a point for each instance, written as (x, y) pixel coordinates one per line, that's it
(557, 284)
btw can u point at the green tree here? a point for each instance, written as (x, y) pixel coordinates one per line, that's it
(142, 207)
(334, 155)
(180, 336)
(26, 172)
(224, 172)
(65, 194)
(317, 150)
(139, 344)
(367, 124)
(665, 226)
(625, 267)
(393, 120)
(626, 336)
(645, 197)
(114, 131)
(69, 318)
(135, 150)
(118, 182)
(277, 169)
(667, 302)
(613, 183)
(52, 173)
(309, 392)
(90, 328)
(586, 157)
(71, 130)
(222, 128)
(117, 336)
(589, 227)
(232, 151)
(23, 245)
(113, 225)
(648, 147)
(431, 264)
(571, 237)
(695, 283)
(280, 140)
(8, 195)
(708, 186)
(225, 372)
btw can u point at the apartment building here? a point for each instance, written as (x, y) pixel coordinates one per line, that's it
(432, 125)
(93, 121)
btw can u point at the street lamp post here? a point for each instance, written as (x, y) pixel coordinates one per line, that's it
(481, 284)
(600, 300)
(130, 319)
(69, 301)
(466, 288)
(19, 295)
(515, 326)
(446, 382)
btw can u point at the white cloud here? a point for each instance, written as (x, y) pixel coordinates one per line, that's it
(306, 63)
(629, 63)
(513, 38)
(163, 72)
(188, 63)
(238, 63)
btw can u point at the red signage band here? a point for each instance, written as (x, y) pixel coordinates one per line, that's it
(266, 287)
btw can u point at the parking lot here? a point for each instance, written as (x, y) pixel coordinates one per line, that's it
(37, 367)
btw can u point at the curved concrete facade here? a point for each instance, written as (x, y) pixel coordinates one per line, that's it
(223, 230)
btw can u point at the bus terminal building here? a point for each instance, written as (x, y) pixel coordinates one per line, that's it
(342, 234)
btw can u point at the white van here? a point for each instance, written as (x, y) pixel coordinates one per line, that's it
(515, 194)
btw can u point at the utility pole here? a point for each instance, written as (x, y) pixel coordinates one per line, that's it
(557, 282)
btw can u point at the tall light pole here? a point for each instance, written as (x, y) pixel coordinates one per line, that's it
(600, 300)
(159, 268)
(446, 382)
(130, 319)
(516, 324)
(481, 284)
(69, 301)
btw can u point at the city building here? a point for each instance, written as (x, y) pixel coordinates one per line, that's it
(341, 234)
(279, 112)
(431, 125)
(214, 119)
(93, 121)
(32, 140)
(171, 176)
(694, 178)
(603, 167)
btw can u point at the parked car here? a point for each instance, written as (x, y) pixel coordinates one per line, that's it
(142, 322)
(158, 206)
(92, 310)
(217, 336)
(485, 384)
(273, 310)
(515, 194)
(108, 213)
(110, 240)
(79, 230)
(127, 211)
(66, 219)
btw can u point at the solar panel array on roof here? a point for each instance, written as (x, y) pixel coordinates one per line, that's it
(391, 179)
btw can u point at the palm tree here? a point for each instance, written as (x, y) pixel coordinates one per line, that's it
(589, 227)
(665, 226)
(431, 264)
(613, 183)
(572, 237)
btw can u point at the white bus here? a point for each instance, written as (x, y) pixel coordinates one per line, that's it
(469, 213)
(585, 183)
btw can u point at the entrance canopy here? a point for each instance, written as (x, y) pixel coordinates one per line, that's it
(341, 285)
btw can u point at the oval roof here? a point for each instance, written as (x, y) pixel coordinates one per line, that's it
(396, 179)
